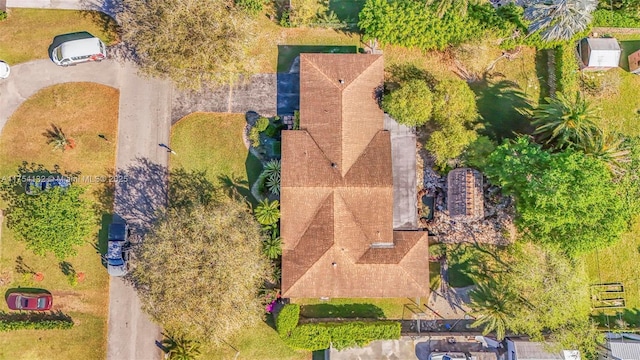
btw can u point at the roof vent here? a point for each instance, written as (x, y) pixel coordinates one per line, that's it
(334, 165)
(341, 81)
(334, 264)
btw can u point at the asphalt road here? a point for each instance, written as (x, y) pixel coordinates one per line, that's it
(144, 122)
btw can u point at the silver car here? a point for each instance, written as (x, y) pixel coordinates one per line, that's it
(5, 70)
(118, 250)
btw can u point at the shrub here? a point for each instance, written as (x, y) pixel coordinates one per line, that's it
(567, 69)
(3, 15)
(306, 12)
(254, 136)
(411, 104)
(287, 319)
(608, 18)
(252, 7)
(411, 24)
(319, 336)
(272, 130)
(262, 124)
(10, 325)
(296, 120)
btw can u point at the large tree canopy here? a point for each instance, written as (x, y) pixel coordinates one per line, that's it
(567, 199)
(55, 220)
(410, 104)
(533, 290)
(200, 269)
(190, 41)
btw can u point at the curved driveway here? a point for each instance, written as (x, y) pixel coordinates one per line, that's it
(144, 121)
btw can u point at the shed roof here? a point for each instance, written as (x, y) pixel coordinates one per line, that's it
(604, 52)
(625, 350)
(337, 190)
(465, 199)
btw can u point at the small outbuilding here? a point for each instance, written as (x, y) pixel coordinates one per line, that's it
(465, 199)
(599, 53)
(634, 62)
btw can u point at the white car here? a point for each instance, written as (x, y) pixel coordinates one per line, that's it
(448, 356)
(4, 70)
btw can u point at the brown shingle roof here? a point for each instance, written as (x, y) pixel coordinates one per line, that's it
(337, 190)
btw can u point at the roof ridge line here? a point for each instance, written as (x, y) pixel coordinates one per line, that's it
(319, 148)
(362, 154)
(311, 219)
(323, 74)
(355, 220)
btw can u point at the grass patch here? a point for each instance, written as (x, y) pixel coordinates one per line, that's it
(213, 143)
(383, 308)
(435, 280)
(83, 111)
(287, 53)
(619, 263)
(458, 275)
(347, 10)
(271, 35)
(259, 342)
(27, 33)
(324, 310)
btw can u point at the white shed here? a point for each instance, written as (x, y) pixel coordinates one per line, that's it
(599, 53)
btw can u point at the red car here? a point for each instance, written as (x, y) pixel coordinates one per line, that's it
(30, 301)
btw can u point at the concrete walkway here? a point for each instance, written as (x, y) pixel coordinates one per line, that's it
(105, 6)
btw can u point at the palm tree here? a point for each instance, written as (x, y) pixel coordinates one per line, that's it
(271, 175)
(57, 137)
(609, 148)
(565, 121)
(180, 348)
(267, 212)
(559, 19)
(272, 247)
(490, 302)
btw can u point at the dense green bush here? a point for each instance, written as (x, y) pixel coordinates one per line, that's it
(608, 18)
(3, 15)
(254, 136)
(410, 104)
(319, 336)
(567, 69)
(252, 7)
(410, 23)
(287, 319)
(262, 124)
(10, 325)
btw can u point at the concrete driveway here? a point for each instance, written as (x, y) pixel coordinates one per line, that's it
(144, 122)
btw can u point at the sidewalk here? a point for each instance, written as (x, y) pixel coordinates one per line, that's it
(99, 5)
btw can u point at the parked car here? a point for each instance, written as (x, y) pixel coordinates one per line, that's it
(73, 52)
(38, 184)
(118, 249)
(448, 356)
(30, 301)
(4, 70)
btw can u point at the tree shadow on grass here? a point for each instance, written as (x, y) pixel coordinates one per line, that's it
(232, 184)
(503, 108)
(288, 53)
(341, 311)
(26, 290)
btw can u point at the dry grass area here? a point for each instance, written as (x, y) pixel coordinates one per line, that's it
(27, 33)
(270, 35)
(83, 111)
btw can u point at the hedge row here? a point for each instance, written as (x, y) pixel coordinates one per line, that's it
(567, 69)
(287, 319)
(608, 18)
(35, 325)
(319, 336)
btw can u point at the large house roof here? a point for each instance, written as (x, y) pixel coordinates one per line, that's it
(337, 190)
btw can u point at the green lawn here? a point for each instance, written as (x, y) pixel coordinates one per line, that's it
(619, 263)
(72, 106)
(382, 308)
(27, 33)
(260, 342)
(213, 143)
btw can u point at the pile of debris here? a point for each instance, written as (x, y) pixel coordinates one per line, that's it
(496, 227)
